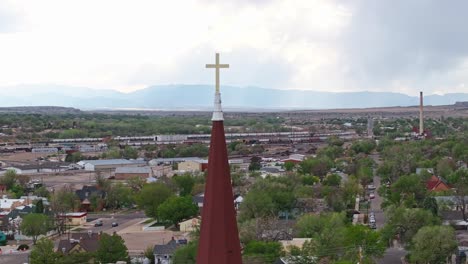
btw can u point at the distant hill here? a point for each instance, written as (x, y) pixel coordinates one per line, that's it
(200, 97)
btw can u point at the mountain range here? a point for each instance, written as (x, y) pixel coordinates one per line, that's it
(200, 97)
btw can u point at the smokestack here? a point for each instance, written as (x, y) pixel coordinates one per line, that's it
(421, 114)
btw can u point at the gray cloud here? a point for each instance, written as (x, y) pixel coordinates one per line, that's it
(407, 41)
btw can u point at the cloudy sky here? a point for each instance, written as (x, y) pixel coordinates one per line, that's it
(325, 45)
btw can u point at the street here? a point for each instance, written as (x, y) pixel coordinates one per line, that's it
(124, 220)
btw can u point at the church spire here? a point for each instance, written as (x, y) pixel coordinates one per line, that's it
(218, 111)
(219, 238)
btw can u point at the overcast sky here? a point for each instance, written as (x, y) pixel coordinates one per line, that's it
(398, 45)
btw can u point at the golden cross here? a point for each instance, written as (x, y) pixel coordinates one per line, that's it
(217, 66)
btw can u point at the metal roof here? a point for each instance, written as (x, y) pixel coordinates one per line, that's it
(111, 162)
(143, 170)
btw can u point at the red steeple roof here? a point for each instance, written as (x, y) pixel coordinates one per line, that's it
(219, 238)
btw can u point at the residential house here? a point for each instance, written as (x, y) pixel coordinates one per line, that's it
(190, 166)
(189, 225)
(198, 199)
(75, 219)
(294, 158)
(85, 194)
(437, 184)
(79, 243)
(163, 253)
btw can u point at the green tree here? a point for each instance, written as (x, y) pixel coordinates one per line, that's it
(316, 166)
(362, 237)
(289, 166)
(363, 146)
(151, 197)
(130, 153)
(112, 153)
(149, 254)
(326, 232)
(39, 207)
(268, 252)
(42, 192)
(332, 180)
(111, 249)
(118, 196)
(34, 225)
(43, 252)
(176, 209)
(460, 180)
(184, 183)
(433, 244)
(404, 223)
(408, 190)
(74, 157)
(136, 183)
(445, 167)
(186, 254)
(9, 179)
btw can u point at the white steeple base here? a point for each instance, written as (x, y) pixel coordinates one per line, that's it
(218, 111)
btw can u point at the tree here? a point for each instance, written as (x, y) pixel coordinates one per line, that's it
(74, 157)
(255, 164)
(149, 254)
(363, 146)
(152, 196)
(408, 190)
(130, 153)
(404, 223)
(316, 166)
(184, 184)
(332, 180)
(136, 183)
(118, 196)
(43, 252)
(445, 167)
(460, 180)
(289, 166)
(34, 225)
(359, 237)
(267, 251)
(325, 230)
(176, 209)
(186, 254)
(433, 244)
(9, 179)
(42, 192)
(111, 249)
(63, 201)
(39, 207)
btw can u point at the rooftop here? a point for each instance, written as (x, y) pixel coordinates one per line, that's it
(111, 162)
(143, 170)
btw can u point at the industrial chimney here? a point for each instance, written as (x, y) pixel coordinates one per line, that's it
(421, 114)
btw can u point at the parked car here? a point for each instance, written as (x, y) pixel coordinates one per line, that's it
(114, 224)
(370, 187)
(371, 196)
(98, 223)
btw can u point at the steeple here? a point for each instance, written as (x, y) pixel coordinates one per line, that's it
(219, 238)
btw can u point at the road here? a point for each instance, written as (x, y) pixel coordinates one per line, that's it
(392, 255)
(376, 205)
(15, 258)
(124, 220)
